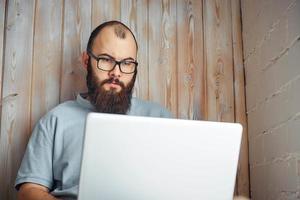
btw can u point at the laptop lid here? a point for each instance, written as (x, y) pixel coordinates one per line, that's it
(144, 158)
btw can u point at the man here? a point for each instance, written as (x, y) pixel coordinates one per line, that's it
(51, 164)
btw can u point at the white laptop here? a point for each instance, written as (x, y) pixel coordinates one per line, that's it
(144, 158)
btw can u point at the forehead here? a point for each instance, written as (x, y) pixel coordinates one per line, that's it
(115, 42)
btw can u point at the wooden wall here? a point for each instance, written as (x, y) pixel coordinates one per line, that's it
(190, 60)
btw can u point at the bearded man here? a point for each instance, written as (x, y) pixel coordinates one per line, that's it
(51, 165)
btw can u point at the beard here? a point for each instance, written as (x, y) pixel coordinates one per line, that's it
(109, 101)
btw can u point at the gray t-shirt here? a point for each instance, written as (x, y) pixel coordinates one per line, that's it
(53, 153)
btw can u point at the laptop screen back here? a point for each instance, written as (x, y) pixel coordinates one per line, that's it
(145, 158)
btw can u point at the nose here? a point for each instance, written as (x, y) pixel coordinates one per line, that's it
(116, 72)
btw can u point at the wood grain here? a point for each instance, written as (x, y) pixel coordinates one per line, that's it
(218, 60)
(47, 57)
(15, 113)
(190, 60)
(77, 28)
(162, 54)
(104, 10)
(2, 21)
(242, 181)
(191, 96)
(134, 13)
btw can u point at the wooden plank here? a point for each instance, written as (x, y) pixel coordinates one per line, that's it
(2, 21)
(77, 29)
(162, 54)
(103, 10)
(2, 151)
(242, 181)
(15, 115)
(46, 58)
(135, 15)
(191, 96)
(218, 60)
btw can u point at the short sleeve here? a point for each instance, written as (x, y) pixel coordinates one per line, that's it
(36, 166)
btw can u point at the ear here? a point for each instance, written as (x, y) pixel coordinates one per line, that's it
(84, 59)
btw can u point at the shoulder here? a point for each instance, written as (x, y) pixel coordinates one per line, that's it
(63, 114)
(68, 106)
(66, 110)
(147, 108)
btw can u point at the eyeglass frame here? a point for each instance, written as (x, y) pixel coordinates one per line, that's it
(89, 52)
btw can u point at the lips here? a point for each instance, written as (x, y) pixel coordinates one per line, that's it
(114, 85)
(115, 82)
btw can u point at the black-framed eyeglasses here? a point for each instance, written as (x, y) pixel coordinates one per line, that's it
(107, 63)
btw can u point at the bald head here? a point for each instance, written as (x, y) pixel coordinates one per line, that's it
(119, 29)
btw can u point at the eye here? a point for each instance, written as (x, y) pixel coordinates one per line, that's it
(108, 60)
(127, 62)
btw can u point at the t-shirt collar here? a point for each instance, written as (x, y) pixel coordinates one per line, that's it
(84, 102)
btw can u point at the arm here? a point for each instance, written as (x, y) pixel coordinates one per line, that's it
(240, 198)
(35, 175)
(31, 191)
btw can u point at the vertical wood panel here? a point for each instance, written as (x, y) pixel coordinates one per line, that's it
(191, 97)
(47, 57)
(77, 28)
(2, 151)
(104, 10)
(242, 181)
(218, 60)
(134, 13)
(190, 64)
(2, 18)
(162, 53)
(15, 115)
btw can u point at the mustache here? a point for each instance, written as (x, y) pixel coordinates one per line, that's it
(113, 80)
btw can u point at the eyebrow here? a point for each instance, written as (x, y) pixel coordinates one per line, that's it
(105, 54)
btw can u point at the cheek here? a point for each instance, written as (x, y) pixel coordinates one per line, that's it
(101, 75)
(126, 78)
